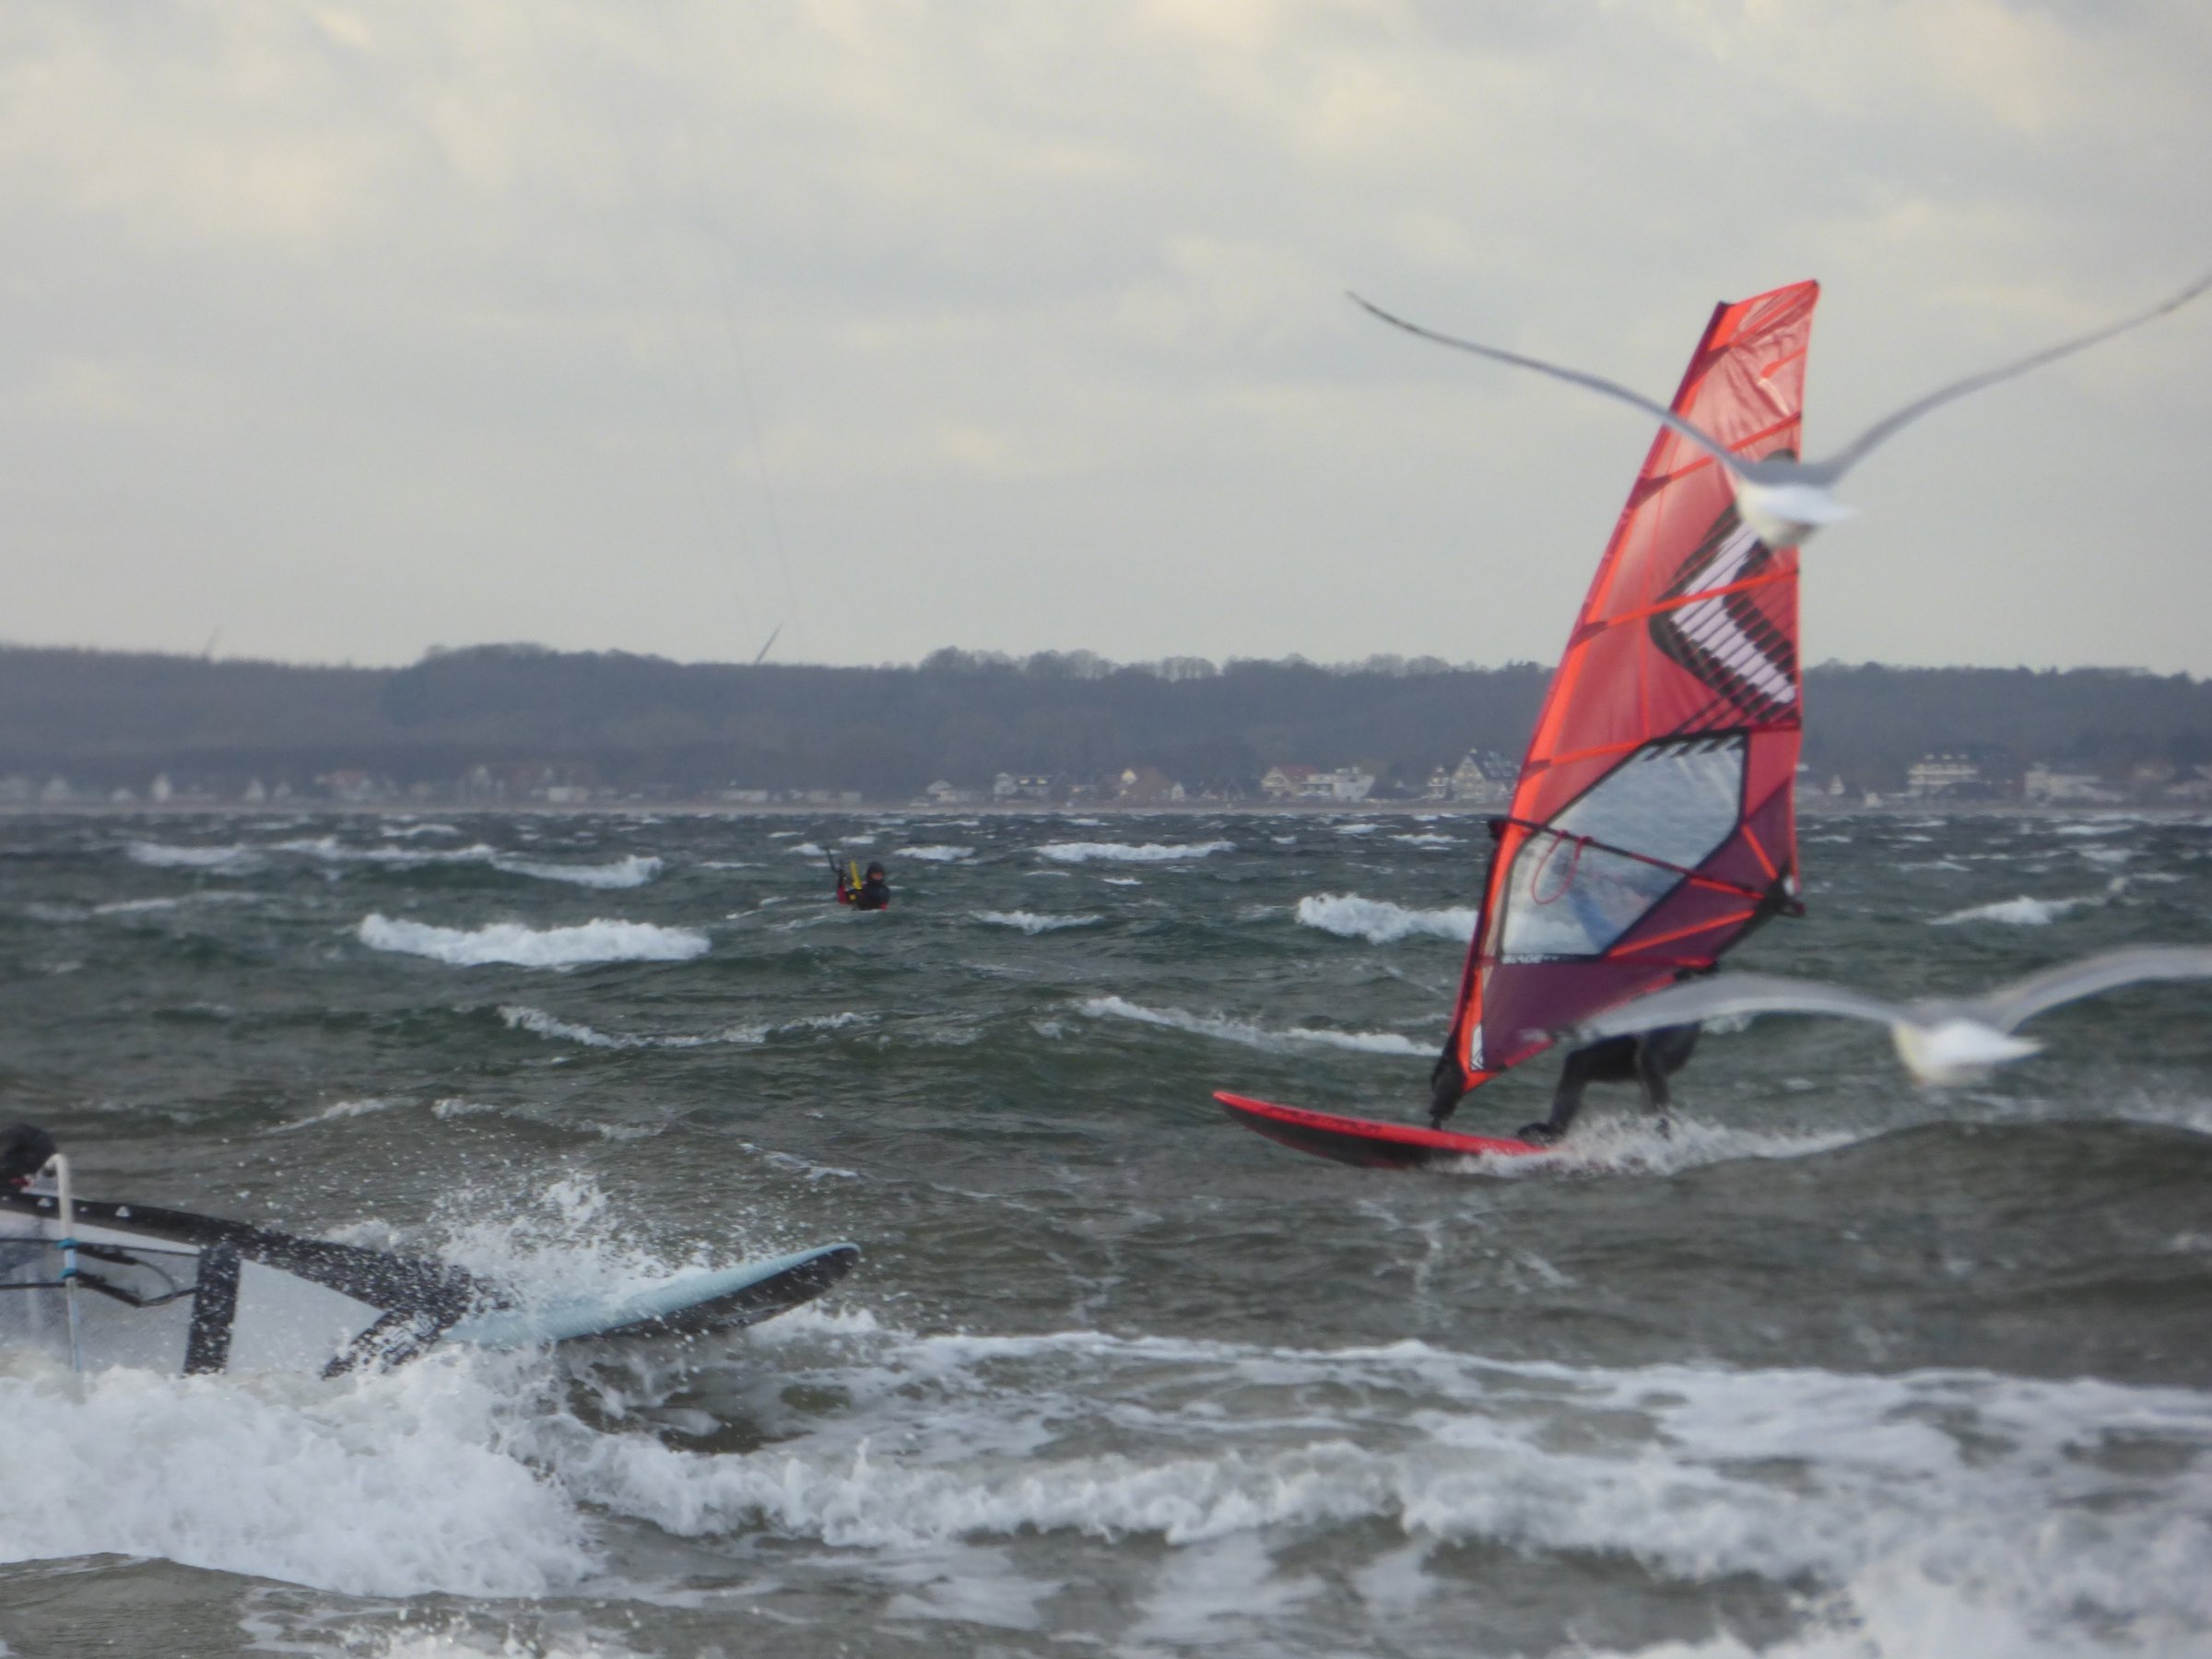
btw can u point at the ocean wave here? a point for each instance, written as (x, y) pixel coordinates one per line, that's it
(395, 1485)
(635, 870)
(1030, 921)
(1253, 1036)
(1122, 853)
(1381, 922)
(522, 1017)
(945, 854)
(511, 943)
(1427, 840)
(2023, 912)
(215, 860)
(1915, 1504)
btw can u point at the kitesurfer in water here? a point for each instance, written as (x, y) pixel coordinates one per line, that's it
(874, 893)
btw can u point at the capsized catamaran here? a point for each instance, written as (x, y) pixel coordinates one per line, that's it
(99, 1285)
(1653, 822)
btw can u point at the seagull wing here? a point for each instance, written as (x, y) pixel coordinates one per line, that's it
(1721, 995)
(1882, 430)
(1736, 464)
(2009, 1006)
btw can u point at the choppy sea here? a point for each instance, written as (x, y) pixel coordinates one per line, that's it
(1843, 1370)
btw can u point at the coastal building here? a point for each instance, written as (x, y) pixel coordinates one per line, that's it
(1933, 776)
(2047, 785)
(1484, 778)
(1287, 782)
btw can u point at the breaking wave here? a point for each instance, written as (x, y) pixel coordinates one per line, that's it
(1378, 921)
(634, 871)
(1122, 853)
(512, 944)
(522, 1017)
(2022, 912)
(1253, 1036)
(935, 854)
(159, 855)
(1030, 921)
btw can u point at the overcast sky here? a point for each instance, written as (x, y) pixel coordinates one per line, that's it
(1018, 325)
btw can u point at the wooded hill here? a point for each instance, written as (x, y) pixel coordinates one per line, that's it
(645, 726)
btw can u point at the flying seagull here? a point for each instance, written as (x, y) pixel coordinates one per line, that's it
(1942, 1041)
(1784, 502)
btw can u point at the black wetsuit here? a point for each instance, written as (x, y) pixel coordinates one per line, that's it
(1646, 1057)
(874, 893)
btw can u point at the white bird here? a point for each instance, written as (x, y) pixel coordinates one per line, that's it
(1786, 500)
(1942, 1041)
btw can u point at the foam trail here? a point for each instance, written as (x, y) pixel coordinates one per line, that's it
(512, 944)
(1252, 1036)
(938, 854)
(1031, 923)
(1381, 922)
(1122, 853)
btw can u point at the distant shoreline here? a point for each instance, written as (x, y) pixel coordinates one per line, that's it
(1807, 810)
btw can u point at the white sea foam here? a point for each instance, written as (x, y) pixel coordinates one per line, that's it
(809, 850)
(1253, 1036)
(400, 1484)
(944, 855)
(523, 1018)
(635, 870)
(330, 850)
(599, 941)
(1426, 841)
(1122, 880)
(344, 1109)
(215, 860)
(2023, 912)
(1122, 853)
(1366, 827)
(1381, 922)
(1030, 921)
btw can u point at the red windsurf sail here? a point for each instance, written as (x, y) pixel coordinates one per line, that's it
(1654, 820)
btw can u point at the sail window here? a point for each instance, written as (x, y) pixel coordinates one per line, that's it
(1621, 848)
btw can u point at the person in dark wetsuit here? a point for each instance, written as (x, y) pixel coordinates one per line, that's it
(874, 892)
(1646, 1057)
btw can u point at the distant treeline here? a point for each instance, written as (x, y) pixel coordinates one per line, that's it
(642, 724)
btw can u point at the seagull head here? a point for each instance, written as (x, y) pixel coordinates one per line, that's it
(1952, 1052)
(1785, 511)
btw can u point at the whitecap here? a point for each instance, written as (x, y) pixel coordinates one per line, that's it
(1381, 922)
(635, 870)
(599, 941)
(1031, 923)
(945, 854)
(2022, 912)
(1253, 1036)
(1122, 853)
(215, 860)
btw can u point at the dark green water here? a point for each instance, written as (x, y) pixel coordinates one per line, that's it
(1841, 1369)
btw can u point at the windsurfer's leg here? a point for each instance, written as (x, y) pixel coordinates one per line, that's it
(1658, 1054)
(1581, 1066)
(1446, 1084)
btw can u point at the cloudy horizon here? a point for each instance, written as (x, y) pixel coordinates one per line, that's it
(342, 332)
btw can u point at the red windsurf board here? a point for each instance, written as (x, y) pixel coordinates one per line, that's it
(1365, 1141)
